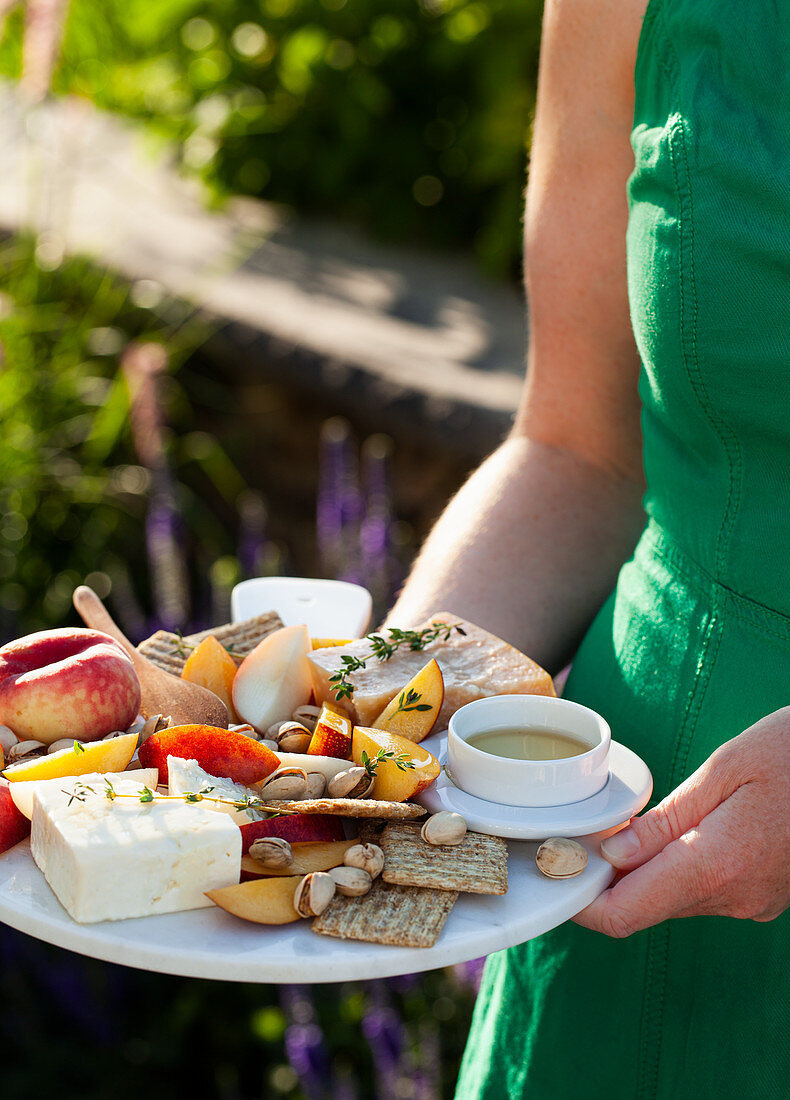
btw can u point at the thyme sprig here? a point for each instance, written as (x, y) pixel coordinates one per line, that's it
(409, 700)
(383, 649)
(402, 761)
(145, 794)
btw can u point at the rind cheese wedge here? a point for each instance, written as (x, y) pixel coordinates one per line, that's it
(474, 665)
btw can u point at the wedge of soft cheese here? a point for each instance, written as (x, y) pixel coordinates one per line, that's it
(107, 860)
(474, 665)
(187, 776)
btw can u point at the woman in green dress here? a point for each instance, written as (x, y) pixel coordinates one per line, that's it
(658, 277)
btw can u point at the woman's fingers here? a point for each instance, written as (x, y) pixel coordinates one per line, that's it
(701, 872)
(680, 811)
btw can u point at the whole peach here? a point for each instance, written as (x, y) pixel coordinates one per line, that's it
(67, 683)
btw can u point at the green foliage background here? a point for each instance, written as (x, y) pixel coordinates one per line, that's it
(409, 118)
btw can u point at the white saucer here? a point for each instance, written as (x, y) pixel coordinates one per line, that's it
(627, 791)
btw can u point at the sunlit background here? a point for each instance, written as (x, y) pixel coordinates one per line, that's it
(364, 159)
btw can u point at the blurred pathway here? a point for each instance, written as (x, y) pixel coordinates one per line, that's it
(420, 338)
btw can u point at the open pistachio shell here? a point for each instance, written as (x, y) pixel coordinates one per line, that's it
(559, 857)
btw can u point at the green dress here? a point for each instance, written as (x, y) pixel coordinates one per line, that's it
(694, 644)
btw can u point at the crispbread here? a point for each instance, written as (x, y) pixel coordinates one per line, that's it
(348, 807)
(166, 650)
(478, 865)
(403, 916)
(370, 829)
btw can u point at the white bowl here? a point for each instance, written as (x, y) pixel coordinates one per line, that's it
(528, 782)
(328, 608)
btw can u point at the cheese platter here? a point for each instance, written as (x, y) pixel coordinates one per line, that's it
(303, 843)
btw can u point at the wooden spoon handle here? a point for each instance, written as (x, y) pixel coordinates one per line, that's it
(95, 615)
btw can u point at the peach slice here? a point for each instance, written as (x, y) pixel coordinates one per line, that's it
(329, 643)
(314, 856)
(293, 828)
(394, 783)
(218, 751)
(274, 679)
(264, 900)
(14, 826)
(414, 710)
(332, 734)
(22, 793)
(95, 756)
(211, 666)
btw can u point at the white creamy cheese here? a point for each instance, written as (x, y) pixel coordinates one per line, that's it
(22, 793)
(110, 860)
(187, 777)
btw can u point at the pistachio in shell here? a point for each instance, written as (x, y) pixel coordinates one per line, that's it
(307, 716)
(367, 857)
(272, 852)
(351, 881)
(290, 783)
(313, 894)
(444, 828)
(559, 857)
(316, 785)
(352, 783)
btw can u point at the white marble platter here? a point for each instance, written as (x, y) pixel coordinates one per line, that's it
(209, 943)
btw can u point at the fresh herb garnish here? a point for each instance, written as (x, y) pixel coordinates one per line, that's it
(408, 700)
(383, 649)
(78, 747)
(145, 794)
(402, 761)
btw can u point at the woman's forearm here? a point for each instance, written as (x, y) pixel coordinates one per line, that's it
(529, 549)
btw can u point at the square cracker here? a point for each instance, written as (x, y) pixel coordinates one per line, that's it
(166, 649)
(349, 807)
(402, 916)
(478, 865)
(370, 829)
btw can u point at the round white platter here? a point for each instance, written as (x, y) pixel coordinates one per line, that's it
(627, 791)
(209, 943)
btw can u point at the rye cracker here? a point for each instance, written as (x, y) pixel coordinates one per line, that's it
(478, 865)
(402, 916)
(166, 650)
(349, 807)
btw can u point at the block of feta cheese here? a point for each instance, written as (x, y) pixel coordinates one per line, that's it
(185, 776)
(474, 665)
(22, 793)
(111, 860)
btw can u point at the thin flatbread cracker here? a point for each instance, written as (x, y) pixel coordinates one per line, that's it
(402, 916)
(349, 807)
(478, 865)
(166, 650)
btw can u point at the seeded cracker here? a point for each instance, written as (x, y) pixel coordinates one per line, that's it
(165, 649)
(478, 865)
(401, 916)
(349, 807)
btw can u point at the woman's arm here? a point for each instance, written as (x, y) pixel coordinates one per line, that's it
(533, 542)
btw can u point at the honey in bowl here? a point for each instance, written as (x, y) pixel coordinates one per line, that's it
(528, 743)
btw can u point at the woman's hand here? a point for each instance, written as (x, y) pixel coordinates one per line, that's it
(718, 845)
